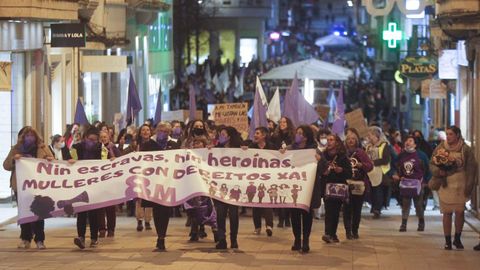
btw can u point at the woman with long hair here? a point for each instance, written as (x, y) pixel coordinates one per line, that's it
(283, 136)
(453, 163)
(107, 216)
(302, 220)
(29, 144)
(333, 171)
(228, 138)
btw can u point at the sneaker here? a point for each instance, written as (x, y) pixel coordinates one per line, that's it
(349, 236)
(139, 226)
(41, 245)
(94, 243)
(477, 247)
(327, 239)
(110, 234)
(421, 227)
(24, 244)
(80, 242)
(257, 231)
(269, 231)
(102, 234)
(403, 228)
(147, 226)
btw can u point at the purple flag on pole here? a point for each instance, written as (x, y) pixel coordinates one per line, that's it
(133, 101)
(260, 104)
(80, 116)
(192, 102)
(158, 110)
(297, 107)
(338, 126)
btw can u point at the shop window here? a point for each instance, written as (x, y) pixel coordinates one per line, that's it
(227, 45)
(248, 49)
(204, 45)
(93, 95)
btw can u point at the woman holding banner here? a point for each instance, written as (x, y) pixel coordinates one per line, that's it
(358, 184)
(302, 220)
(161, 214)
(109, 151)
(29, 144)
(228, 138)
(284, 136)
(333, 171)
(88, 149)
(260, 141)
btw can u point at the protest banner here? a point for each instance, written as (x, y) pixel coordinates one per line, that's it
(231, 114)
(356, 120)
(252, 178)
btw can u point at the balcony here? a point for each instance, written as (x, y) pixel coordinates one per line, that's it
(458, 15)
(239, 8)
(149, 5)
(39, 9)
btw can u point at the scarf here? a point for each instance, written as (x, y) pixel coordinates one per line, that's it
(454, 148)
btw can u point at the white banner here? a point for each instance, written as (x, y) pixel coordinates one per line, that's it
(254, 178)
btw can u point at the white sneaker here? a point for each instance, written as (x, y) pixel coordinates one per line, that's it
(257, 231)
(24, 244)
(41, 245)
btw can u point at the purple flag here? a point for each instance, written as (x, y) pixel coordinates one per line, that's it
(133, 101)
(339, 119)
(260, 104)
(297, 108)
(80, 116)
(192, 102)
(158, 110)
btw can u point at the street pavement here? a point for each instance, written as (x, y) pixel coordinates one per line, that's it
(380, 246)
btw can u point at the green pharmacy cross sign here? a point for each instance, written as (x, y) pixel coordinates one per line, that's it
(392, 35)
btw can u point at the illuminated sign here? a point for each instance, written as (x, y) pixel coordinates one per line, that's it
(392, 35)
(418, 67)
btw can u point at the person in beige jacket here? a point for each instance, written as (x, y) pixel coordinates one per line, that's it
(454, 162)
(29, 144)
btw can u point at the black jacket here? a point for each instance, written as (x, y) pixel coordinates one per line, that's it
(325, 175)
(65, 152)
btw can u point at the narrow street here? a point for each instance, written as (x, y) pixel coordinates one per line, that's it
(380, 246)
